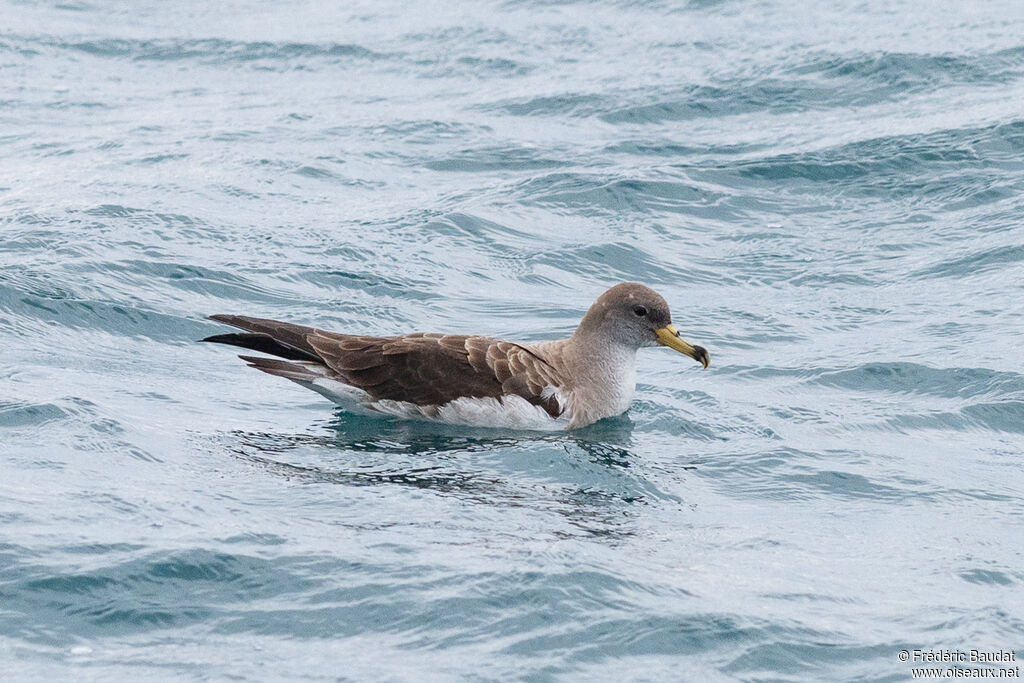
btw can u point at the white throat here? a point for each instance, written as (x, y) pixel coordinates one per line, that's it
(605, 383)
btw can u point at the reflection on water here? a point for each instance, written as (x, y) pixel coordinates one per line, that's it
(607, 441)
(586, 475)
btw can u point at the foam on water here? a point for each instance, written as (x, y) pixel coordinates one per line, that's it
(829, 196)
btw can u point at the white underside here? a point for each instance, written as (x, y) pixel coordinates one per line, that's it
(509, 412)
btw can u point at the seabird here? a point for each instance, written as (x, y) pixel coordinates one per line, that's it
(474, 380)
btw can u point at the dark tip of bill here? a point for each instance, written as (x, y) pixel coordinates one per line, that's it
(702, 355)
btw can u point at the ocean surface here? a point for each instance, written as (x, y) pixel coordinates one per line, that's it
(830, 196)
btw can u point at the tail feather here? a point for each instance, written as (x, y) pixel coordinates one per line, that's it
(296, 360)
(286, 337)
(282, 368)
(263, 343)
(311, 376)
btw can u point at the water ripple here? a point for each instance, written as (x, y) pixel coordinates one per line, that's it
(835, 213)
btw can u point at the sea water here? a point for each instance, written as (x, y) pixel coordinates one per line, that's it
(828, 194)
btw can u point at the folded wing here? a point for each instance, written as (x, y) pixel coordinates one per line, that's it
(423, 369)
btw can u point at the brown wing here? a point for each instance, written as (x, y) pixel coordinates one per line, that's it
(433, 369)
(425, 369)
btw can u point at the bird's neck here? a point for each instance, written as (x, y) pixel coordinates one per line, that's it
(603, 376)
(602, 357)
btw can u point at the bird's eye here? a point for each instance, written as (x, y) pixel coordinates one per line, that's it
(640, 311)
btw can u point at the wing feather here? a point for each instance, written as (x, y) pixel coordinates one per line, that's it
(424, 369)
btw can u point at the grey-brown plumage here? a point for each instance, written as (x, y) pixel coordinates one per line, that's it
(572, 381)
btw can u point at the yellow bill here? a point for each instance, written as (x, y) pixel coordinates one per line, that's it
(669, 336)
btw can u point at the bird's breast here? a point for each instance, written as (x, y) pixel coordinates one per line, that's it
(605, 394)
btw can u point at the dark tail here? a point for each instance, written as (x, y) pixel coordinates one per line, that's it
(303, 374)
(284, 340)
(262, 343)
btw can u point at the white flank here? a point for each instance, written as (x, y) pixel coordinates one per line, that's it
(510, 412)
(346, 396)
